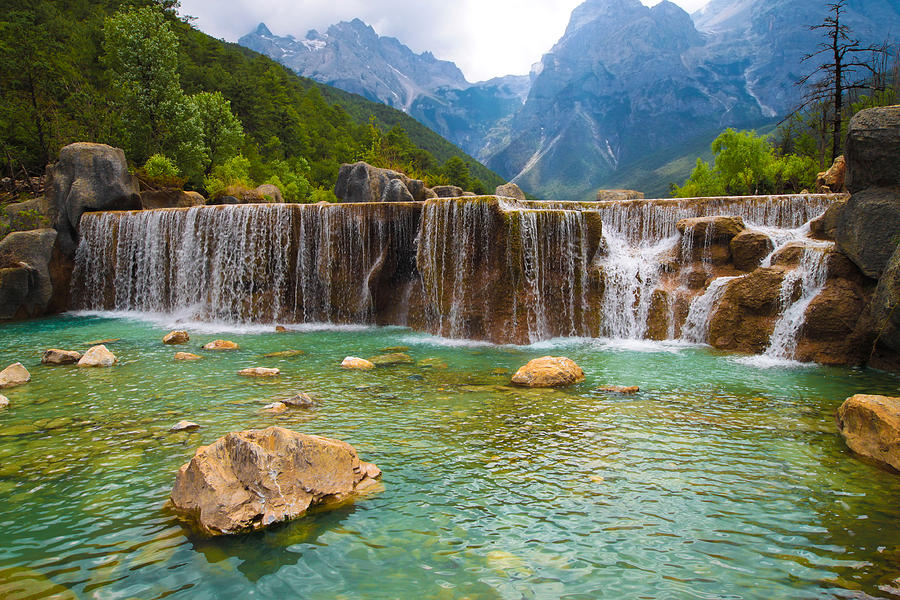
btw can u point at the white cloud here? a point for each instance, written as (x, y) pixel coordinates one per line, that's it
(485, 38)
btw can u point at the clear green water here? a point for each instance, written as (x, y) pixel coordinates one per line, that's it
(719, 480)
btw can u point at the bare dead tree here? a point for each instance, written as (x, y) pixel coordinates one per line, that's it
(847, 65)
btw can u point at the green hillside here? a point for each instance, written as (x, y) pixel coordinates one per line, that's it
(57, 90)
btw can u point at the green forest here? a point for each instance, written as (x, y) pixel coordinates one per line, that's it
(193, 110)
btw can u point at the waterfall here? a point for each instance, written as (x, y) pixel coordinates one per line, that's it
(477, 267)
(809, 276)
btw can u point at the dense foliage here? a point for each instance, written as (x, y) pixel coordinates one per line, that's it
(135, 76)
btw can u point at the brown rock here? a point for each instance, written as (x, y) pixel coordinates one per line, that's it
(221, 345)
(275, 408)
(300, 400)
(259, 372)
(252, 479)
(825, 227)
(548, 371)
(789, 255)
(184, 426)
(871, 427)
(749, 248)
(716, 229)
(97, 356)
(620, 389)
(280, 329)
(176, 337)
(352, 362)
(832, 180)
(745, 316)
(618, 195)
(60, 357)
(510, 190)
(170, 198)
(14, 375)
(187, 356)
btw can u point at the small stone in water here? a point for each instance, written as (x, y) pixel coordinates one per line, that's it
(284, 354)
(101, 342)
(353, 362)
(176, 337)
(221, 345)
(280, 329)
(395, 358)
(620, 389)
(395, 349)
(60, 357)
(97, 356)
(187, 356)
(184, 426)
(301, 400)
(13, 375)
(4, 401)
(259, 372)
(276, 407)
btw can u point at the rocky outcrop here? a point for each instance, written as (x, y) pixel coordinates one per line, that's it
(353, 362)
(744, 318)
(873, 145)
(886, 305)
(511, 190)
(87, 177)
(832, 180)
(60, 357)
(170, 198)
(26, 286)
(174, 338)
(98, 356)
(447, 191)
(749, 248)
(868, 228)
(618, 195)
(825, 227)
(548, 371)
(221, 345)
(14, 375)
(252, 479)
(361, 182)
(871, 427)
(269, 193)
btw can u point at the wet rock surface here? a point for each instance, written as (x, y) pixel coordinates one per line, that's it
(14, 375)
(98, 356)
(176, 337)
(871, 427)
(252, 479)
(60, 357)
(548, 371)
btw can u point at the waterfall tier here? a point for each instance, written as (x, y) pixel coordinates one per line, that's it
(480, 268)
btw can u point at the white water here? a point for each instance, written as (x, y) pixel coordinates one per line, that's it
(696, 327)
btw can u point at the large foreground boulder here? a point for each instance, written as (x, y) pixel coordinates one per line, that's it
(252, 479)
(87, 177)
(886, 304)
(361, 182)
(14, 375)
(871, 427)
(873, 148)
(548, 371)
(25, 279)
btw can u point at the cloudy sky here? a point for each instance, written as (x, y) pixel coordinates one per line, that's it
(486, 38)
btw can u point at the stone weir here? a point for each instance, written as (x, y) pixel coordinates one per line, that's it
(738, 273)
(479, 268)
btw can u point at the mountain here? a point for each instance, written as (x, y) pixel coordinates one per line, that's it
(351, 56)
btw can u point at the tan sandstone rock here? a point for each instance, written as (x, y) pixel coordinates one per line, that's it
(871, 427)
(98, 356)
(353, 362)
(249, 480)
(13, 375)
(176, 337)
(259, 372)
(184, 426)
(221, 345)
(716, 228)
(4, 402)
(60, 357)
(548, 371)
(187, 356)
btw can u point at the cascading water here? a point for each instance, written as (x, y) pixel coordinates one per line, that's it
(478, 268)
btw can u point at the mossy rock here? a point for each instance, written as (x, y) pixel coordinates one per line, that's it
(393, 358)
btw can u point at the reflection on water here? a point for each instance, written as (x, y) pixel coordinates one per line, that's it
(719, 479)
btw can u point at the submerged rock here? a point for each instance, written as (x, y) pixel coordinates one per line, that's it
(619, 389)
(284, 354)
(548, 371)
(98, 356)
(353, 362)
(871, 427)
(221, 345)
(393, 358)
(187, 356)
(275, 407)
(249, 480)
(176, 337)
(184, 426)
(60, 357)
(259, 372)
(300, 400)
(14, 375)
(432, 363)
